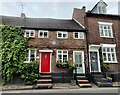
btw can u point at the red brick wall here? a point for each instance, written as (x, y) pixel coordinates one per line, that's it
(69, 44)
(94, 36)
(93, 31)
(79, 15)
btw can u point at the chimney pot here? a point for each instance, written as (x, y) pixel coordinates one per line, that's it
(83, 8)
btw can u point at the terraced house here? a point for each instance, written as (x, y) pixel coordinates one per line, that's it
(102, 37)
(54, 44)
(86, 41)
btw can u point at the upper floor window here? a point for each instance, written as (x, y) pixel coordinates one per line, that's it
(29, 33)
(30, 55)
(43, 34)
(62, 56)
(78, 35)
(109, 54)
(105, 30)
(62, 35)
(101, 9)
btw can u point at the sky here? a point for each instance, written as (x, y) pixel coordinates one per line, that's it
(59, 9)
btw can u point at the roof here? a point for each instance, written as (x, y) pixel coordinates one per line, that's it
(88, 14)
(97, 5)
(43, 23)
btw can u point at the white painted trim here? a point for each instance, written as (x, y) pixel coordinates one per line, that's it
(108, 45)
(62, 35)
(45, 50)
(78, 35)
(29, 52)
(43, 33)
(96, 47)
(82, 59)
(105, 23)
(50, 61)
(62, 54)
(78, 23)
(29, 33)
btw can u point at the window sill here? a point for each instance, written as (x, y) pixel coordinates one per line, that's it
(107, 37)
(79, 38)
(110, 62)
(26, 62)
(62, 38)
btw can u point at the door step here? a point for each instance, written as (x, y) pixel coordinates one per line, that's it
(45, 81)
(101, 81)
(85, 85)
(82, 81)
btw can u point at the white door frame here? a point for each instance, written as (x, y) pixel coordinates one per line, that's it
(82, 59)
(44, 51)
(95, 48)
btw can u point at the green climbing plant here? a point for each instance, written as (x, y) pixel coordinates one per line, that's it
(29, 72)
(13, 51)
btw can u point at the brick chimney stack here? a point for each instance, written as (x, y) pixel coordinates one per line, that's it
(23, 15)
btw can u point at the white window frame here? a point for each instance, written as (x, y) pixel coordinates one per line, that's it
(103, 24)
(61, 54)
(29, 33)
(62, 32)
(79, 35)
(29, 53)
(109, 46)
(102, 9)
(43, 31)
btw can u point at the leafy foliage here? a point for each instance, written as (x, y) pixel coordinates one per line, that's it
(13, 51)
(29, 72)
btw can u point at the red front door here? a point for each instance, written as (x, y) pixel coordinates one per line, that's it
(45, 62)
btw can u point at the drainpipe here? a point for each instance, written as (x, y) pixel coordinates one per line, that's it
(87, 33)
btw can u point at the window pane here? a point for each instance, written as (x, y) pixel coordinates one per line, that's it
(104, 49)
(27, 56)
(108, 49)
(45, 34)
(106, 33)
(64, 58)
(41, 34)
(104, 57)
(27, 33)
(64, 35)
(32, 33)
(59, 51)
(81, 35)
(109, 58)
(113, 57)
(102, 34)
(59, 58)
(112, 50)
(59, 34)
(32, 55)
(64, 51)
(76, 35)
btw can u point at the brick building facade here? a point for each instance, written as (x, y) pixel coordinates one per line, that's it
(102, 37)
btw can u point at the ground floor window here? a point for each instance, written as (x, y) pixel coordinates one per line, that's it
(30, 55)
(109, 54)
(62, 55)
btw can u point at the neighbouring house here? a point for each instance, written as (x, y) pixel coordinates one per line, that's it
(102, 37)
(53, 41)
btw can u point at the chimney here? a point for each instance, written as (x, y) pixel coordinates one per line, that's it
(83, 9)
(23, 15)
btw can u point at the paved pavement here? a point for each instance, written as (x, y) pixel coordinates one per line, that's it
(81, 90)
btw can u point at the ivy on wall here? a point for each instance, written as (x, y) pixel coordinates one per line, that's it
(13, 51)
